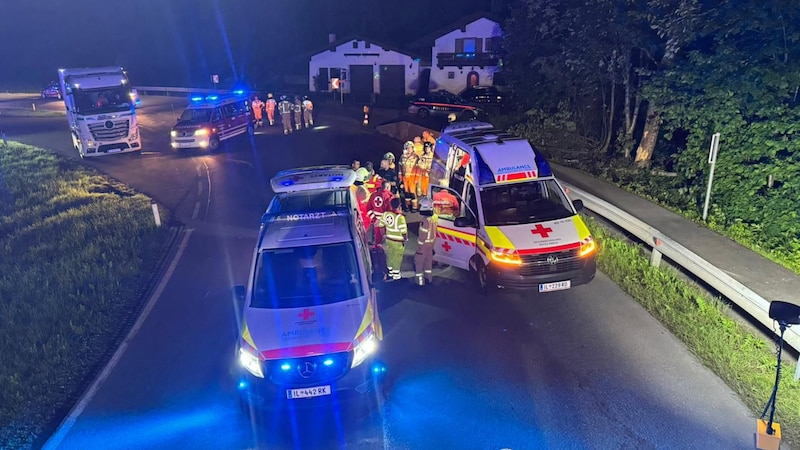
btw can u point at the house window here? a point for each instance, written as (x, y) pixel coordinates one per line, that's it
(451, 75)
(355, 44)
(367, 45)
(492, 45)
(469, 45)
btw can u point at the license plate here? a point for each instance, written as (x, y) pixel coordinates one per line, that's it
(316, 391)
(557, 286)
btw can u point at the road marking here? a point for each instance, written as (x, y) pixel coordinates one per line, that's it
(199, 187)
(199, 171)
(208, 200)
(196, 210)
(87, 397)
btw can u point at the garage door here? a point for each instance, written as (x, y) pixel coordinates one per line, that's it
(361, 87)
(393, 84)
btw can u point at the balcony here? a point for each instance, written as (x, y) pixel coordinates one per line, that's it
(467, 59)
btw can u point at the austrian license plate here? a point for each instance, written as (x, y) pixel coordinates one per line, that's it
(316, 391)
(557, 286)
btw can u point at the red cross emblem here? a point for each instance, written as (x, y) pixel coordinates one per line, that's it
(306, 314)
(446, 246)
(540, 230)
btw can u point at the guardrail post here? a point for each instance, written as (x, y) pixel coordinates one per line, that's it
(156, 215)
(655, 256)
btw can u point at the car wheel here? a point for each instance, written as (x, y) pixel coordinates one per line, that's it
(468, 115)
(423, 113)
(480, 276)
(213, 143)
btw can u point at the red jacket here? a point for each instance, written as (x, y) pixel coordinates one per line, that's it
(379, 202)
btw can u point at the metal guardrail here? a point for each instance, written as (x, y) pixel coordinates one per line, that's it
(150, 90)
(661, 244)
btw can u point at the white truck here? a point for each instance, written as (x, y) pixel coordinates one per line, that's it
(101, 110)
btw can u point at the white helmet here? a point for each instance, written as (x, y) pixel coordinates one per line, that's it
(408, 145)
(452, 117)
(362, 174)
(425, 204)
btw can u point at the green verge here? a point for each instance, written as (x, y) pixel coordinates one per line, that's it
(76, 251)
(744, 361)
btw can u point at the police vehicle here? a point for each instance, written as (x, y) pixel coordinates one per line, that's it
(503, 215)
(310, 329)
(209, 120)
(442, 103)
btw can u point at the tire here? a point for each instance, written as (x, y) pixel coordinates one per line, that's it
(423, 113)
(468, 115)
(213, 143)
(481, 278)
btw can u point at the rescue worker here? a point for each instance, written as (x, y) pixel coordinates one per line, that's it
(427, 136)
(373, 180)
(394, 224)
(362, 196)
(297, 108)
(258, 112)
(378, 203)
(308, 108)
(366, 115)
(423, 259)
(408, 176)
(270, 106)
(424, 165)
(355, 165)
(418, 145)
(387, 172)
(446, 204)
(285, 108)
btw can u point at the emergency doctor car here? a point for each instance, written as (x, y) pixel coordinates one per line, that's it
(503, 215)
(310, 325)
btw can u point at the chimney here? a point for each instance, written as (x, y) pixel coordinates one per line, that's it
(331, 38)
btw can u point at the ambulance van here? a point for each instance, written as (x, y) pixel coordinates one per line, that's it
(503, 216)
(310, 329)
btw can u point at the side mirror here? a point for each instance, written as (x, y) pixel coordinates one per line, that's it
(787, 313)
(238, 295)
(578, 204)
(464, 222)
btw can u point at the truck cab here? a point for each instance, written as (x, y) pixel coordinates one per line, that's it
(310, 329)
(503, 216)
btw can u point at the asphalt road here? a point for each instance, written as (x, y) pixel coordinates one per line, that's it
(585, 368)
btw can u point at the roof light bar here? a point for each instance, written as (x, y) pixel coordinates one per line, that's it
(313, 178)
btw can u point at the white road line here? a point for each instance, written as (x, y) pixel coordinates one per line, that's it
(208, 201)
(199, 171)
(87, 397)
(196, 211)
(199, 187)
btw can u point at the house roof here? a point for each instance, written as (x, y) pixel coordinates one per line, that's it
(426, 42)
(354, 37)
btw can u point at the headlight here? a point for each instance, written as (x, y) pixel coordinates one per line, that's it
(364, 349)
(250, 362)
(506, 256)
(201, 132)
(588, 246)
(173, 133)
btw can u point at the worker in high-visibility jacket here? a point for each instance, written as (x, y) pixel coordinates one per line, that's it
(298, 113)
(373, 182)
(418, 145)
(271, 104)
(258, 111)
(379, 202)
(423, 259)
(424, 165)
(285, 108)
(408, 176)
(394, 225)
(308, 109)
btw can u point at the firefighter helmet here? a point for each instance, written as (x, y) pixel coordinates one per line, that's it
(408, 145)
(362, 174)
(452, 117)
(283, 97)
(388, 156)
(269, 95)
(425, 204)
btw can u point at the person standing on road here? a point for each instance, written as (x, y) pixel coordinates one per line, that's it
(423, 259)
(424, 165)
(298, 113)
(271, 105)
(285, 108)
(394, 222)
(378, 203)
(258, 111)
(408, 176)
(308, 108)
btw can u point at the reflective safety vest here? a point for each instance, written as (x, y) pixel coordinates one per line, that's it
(308, 105)
(407, 163)
(395, 225)
(427, 230)
(298, 107)
(271, 104)
(285, 107)
(425, 162)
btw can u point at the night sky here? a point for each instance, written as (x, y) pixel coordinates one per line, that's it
(181, 42)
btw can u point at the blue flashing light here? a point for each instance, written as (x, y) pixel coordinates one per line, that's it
(336, 179)
(378, 368)
(328, 362)
(238, 92)
(287, 183)
(285, 367)
(542, 165)
(197, 99)
(242, 385)
(212, 97)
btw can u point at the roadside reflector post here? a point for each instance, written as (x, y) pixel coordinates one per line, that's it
(712, 159)
(655, 257)
(156, 215)
(34, 106)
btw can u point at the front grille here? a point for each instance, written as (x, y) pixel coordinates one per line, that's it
(299, 368)
(110, 130)
(541, 264)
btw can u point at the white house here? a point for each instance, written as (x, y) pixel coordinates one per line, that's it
(365, 68)
(465, 54)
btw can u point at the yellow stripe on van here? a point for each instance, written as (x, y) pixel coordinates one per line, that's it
(455, 233)
(366, 321)
(246, 336)
(583, 231)
(498, 238)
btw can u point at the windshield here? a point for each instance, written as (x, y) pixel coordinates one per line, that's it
(196, 115)
(102, 100)
(306, 276)
(522, 203)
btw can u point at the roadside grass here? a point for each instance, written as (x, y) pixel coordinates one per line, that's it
(744, 361)
(76, 251)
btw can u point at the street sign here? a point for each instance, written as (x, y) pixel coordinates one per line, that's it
(334, 83)
(215, 79)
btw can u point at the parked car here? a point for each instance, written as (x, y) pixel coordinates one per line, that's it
(442, 103)
(485, 95)
(52, 91)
